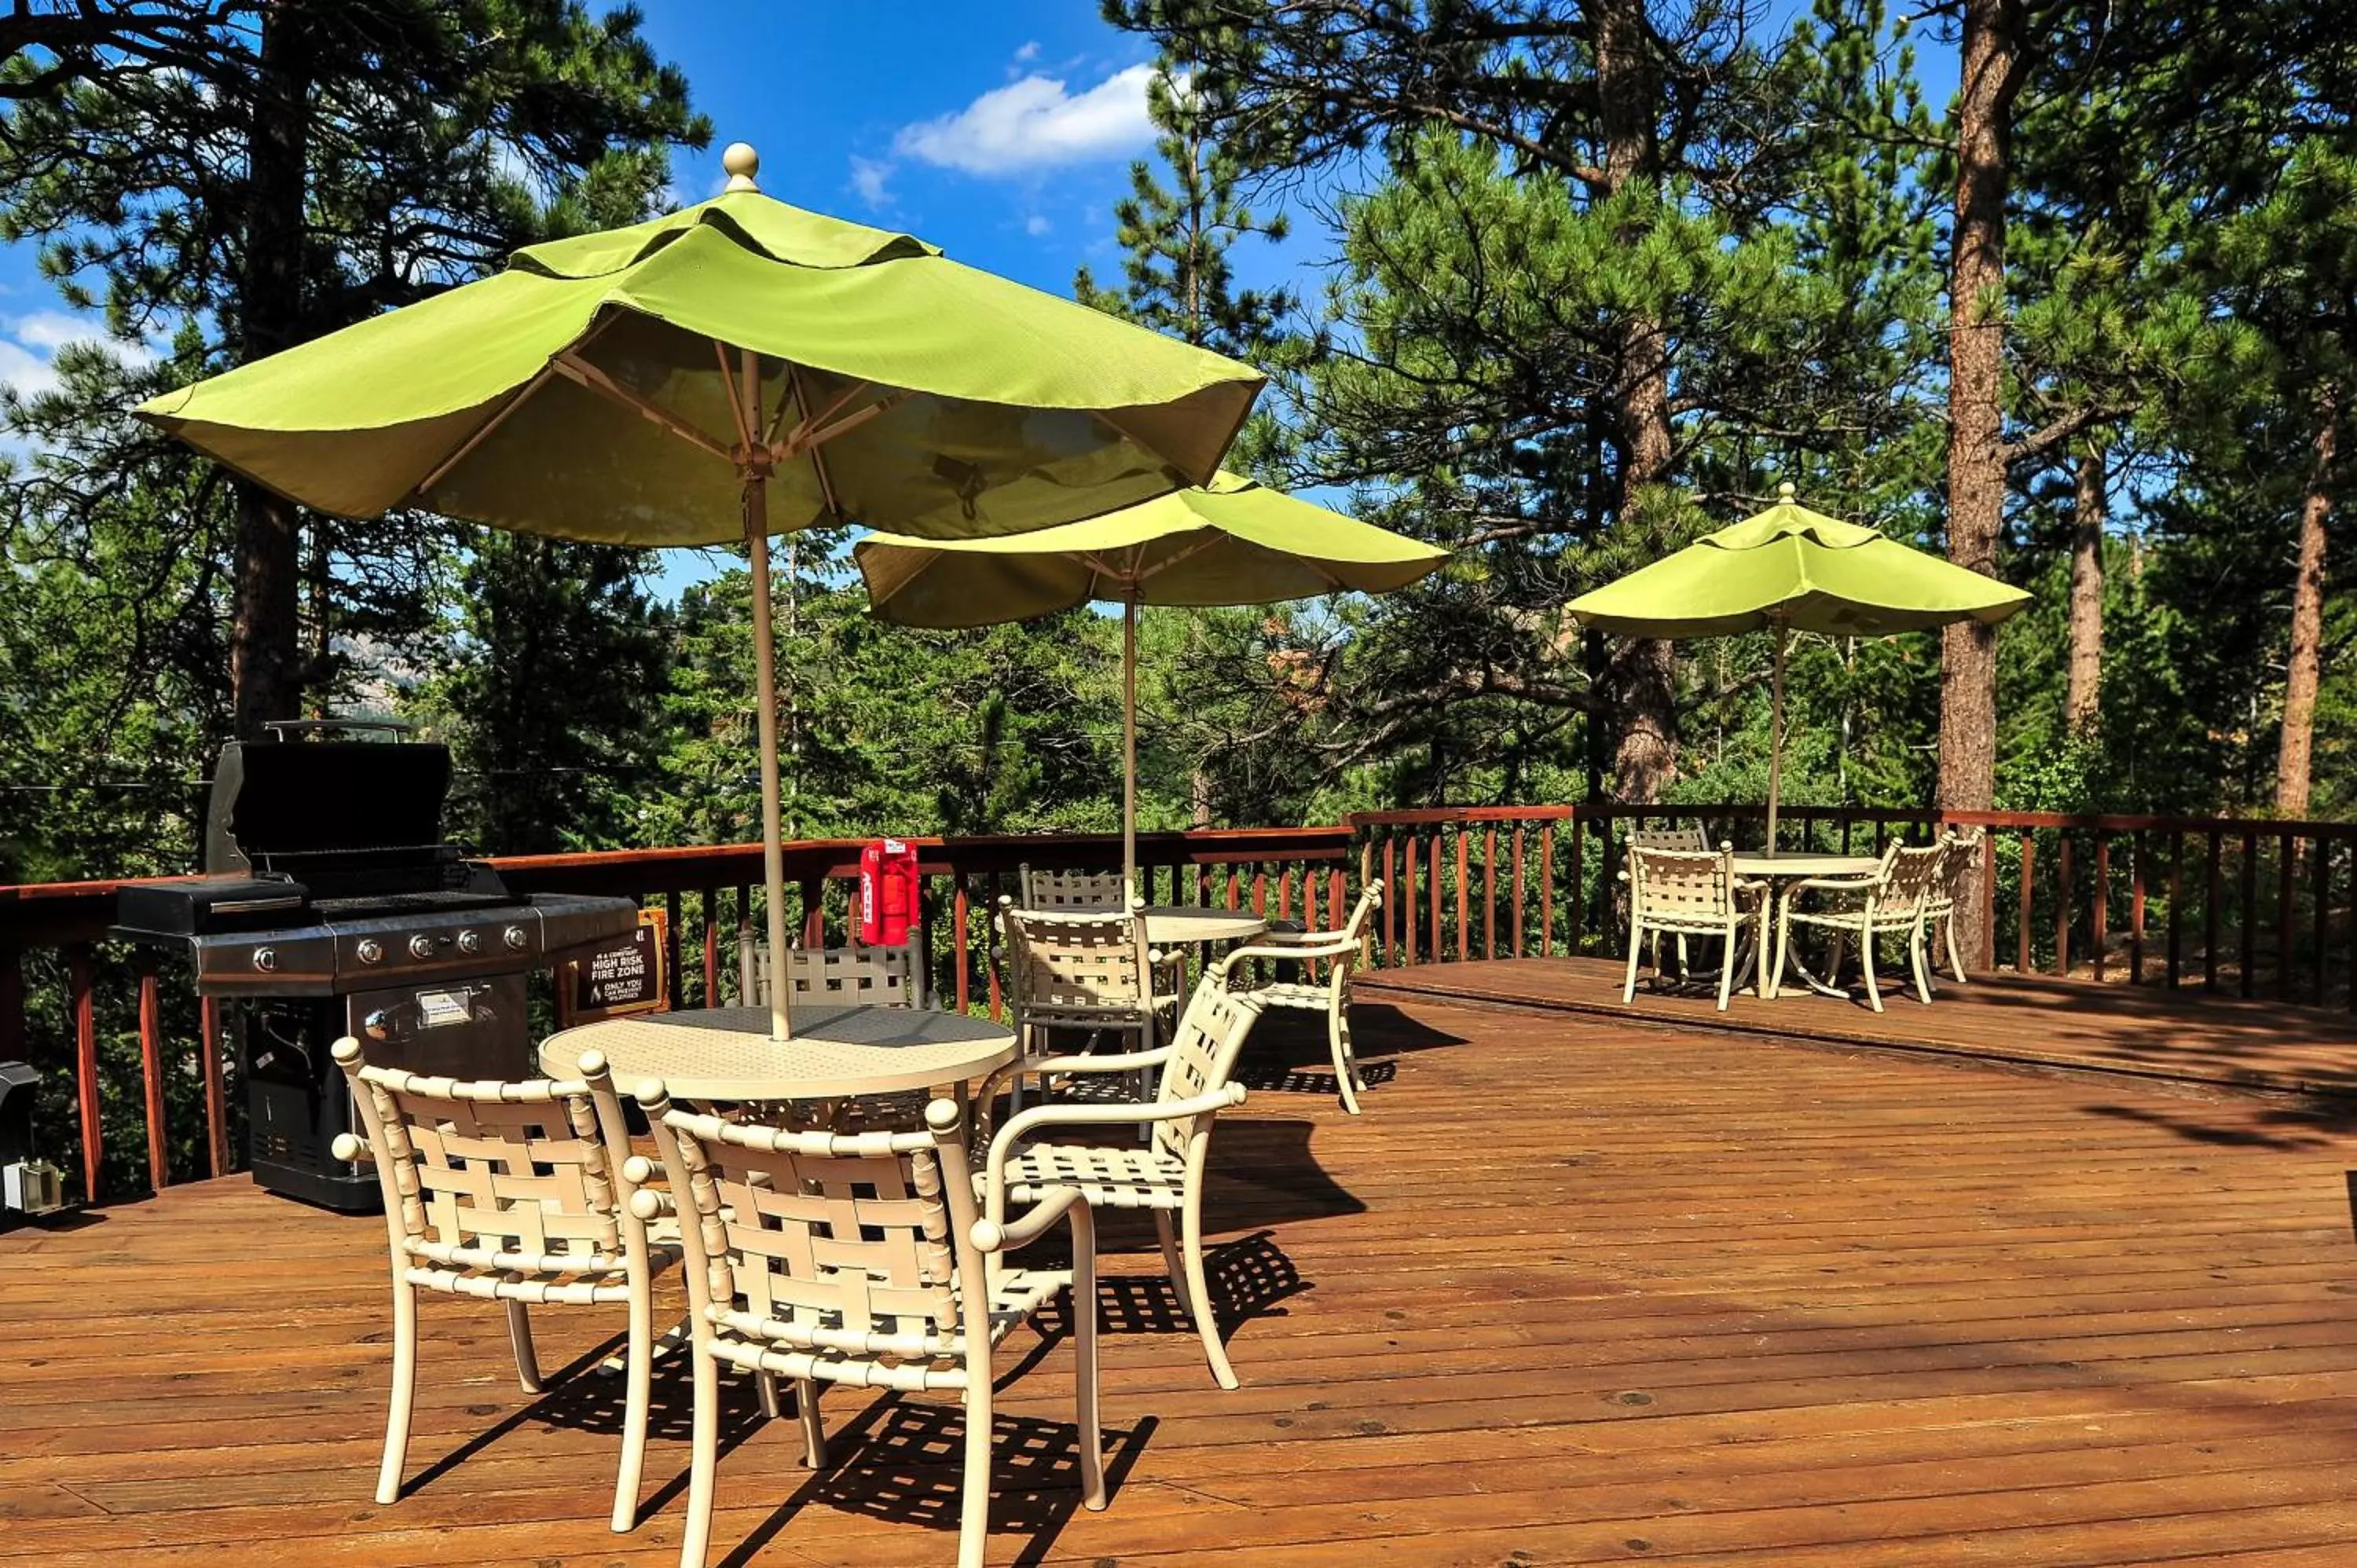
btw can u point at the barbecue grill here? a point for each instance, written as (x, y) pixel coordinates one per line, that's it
(331, 905)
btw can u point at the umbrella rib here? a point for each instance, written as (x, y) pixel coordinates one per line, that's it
(484, 431)
(817, 458)
(810, 419)
(597, 380)
(1178, 555)
(736, 405)
(795, 446)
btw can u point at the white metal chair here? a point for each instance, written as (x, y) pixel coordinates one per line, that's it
(1685, 893)
(1953, 887)
(1886, 903)
(854, 975)
(1073, 892)
(860, 1259)
(1340, 951)
(1088, 970)
(1027, 1164)
(518, 1193)
(1684, 835)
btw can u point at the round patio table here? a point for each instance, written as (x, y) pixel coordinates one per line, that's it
(1793, 866)
(726, 1053)
(1168, 924)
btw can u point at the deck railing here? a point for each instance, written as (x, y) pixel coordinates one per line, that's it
(2246, 906)
(148, 1052)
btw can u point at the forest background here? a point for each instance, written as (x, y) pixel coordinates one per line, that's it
(1597, 278)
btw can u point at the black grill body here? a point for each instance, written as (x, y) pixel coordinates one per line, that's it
(331, 905)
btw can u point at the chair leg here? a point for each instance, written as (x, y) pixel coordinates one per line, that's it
(765, 1389)
(1955, 960)
(1346, 1067)
(973, 1512)
(1784, 948)
(520, 1337)
(1865, 963)
(1636, 946)
(1726, 968)
(1199, 1291)
(813, 1424)
(635, 1400)
(1918, 960)
(1084, 1345)
(404, 1391)
(703, 1458)
(1173, 1264)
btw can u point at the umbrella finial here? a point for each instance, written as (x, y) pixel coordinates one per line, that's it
(742, 163)
(1784, 493)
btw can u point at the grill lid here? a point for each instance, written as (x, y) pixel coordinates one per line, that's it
(292, 801)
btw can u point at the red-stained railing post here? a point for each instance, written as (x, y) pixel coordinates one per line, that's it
(1546, 889)
(2021, 960)
(151, 1075)
(208, 1064)
(2103, 908)
(85, 1027)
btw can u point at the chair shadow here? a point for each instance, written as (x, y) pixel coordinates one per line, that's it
(900, 1461)
(1247, 1277)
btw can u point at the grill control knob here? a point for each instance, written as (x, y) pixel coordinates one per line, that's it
(515, 937)
(371, 950)
(421, 945)
(265, 958)
(470, 942)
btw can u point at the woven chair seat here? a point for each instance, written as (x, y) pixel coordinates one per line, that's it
(1106, 1176)
(1317, 997)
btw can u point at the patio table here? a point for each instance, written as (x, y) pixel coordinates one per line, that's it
(1791, 867)
(727, 1054)
(1171, 924)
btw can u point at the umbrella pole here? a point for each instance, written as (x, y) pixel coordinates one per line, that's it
(1776, 733)
(1129, 742)
(765, 677)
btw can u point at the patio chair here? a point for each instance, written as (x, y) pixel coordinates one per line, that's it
(1954, 886)
(1678, 835)
(1080, 970)
(853, 975)
(1073, 892)
(1687, 893)
(518, 1193)
(1888, 903)
(1164, 1176)
(1340, 953)
(859, 1259)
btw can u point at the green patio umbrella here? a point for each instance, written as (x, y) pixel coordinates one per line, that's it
(1231, 541)
(1793, 569)
(733, 370)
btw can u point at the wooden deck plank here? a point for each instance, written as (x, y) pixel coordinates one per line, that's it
(1579, 1291)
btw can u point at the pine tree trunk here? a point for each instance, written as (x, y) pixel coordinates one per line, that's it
(1643, 674)
(2083, 698)
(1977, 455)
(2301, 674)
(266, 663)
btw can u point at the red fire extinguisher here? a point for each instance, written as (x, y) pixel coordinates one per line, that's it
(887, 892)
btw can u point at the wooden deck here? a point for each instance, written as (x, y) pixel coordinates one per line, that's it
(2132, 1032)
(1570, 1291)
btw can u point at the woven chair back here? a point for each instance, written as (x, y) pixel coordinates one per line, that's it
(1962, 857)
(1910, 874)
(1683, 886)
(875, 977)
(1075, 892)
(1203, 1053)
(845, 1243)
(512, 1176)
(1075, 965)
(1686, 835)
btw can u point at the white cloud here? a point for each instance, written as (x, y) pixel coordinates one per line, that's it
(1035, 225)
(1035, 123)
(868, 177)
(29, 373)
(53, 329)
(1027, 53)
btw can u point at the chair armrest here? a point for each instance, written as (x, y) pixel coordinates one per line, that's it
(1292, 953)
(991, 1236)
(1835, 884)
(1009, 1137)
(639, 1170)
(350, 1147)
